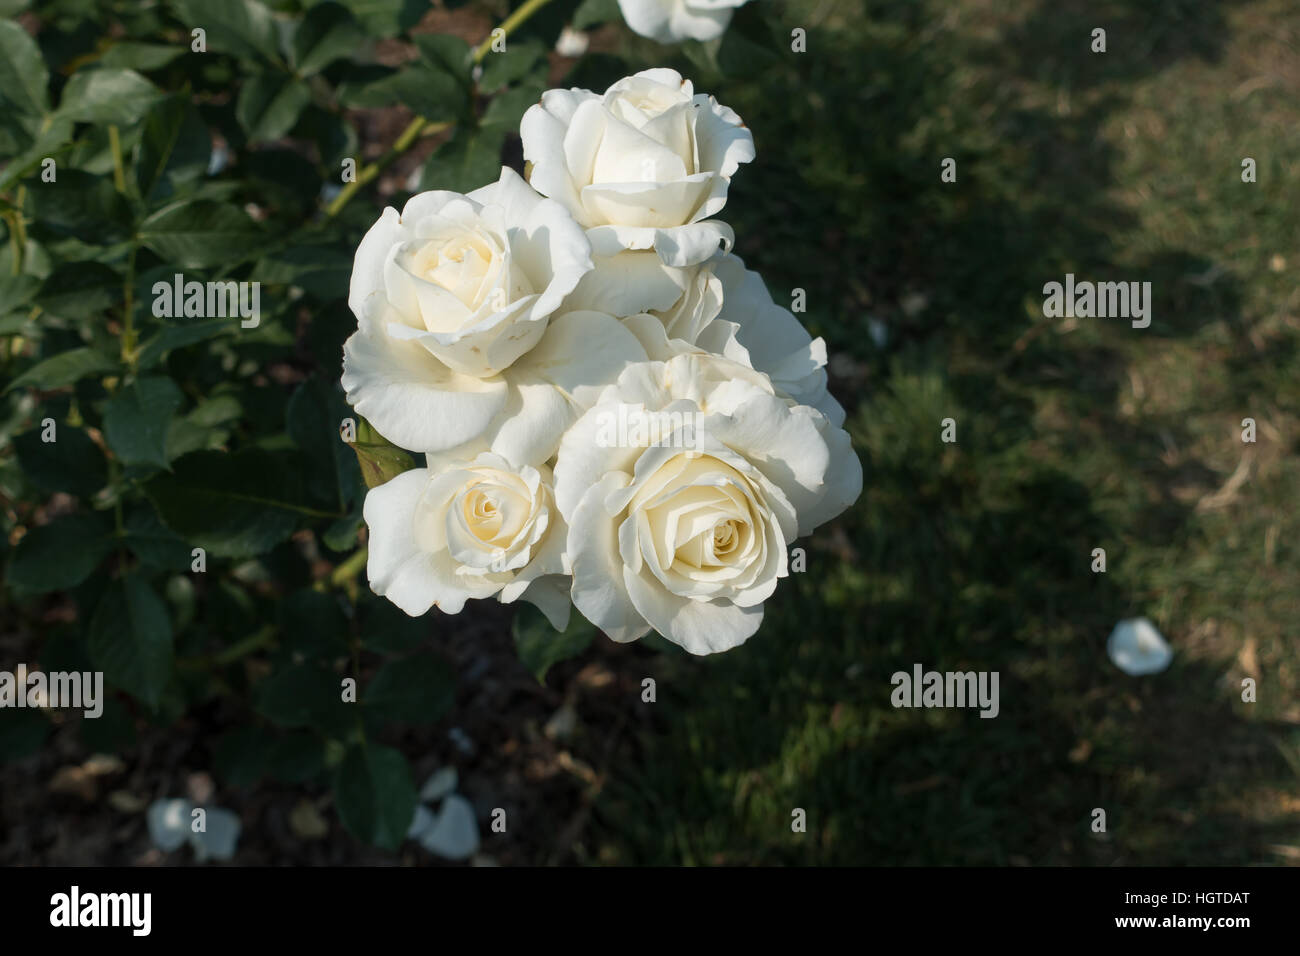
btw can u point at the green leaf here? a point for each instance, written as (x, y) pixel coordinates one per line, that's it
(313, 624)
(540, 645)
(313, 417)
(386, 18)
(64, 369)
(470, 159)
(269, 105)
(390, 630)
(302, 695)
(206, 427)
(418, 689)
(108, 95)
(241, 756)
(342, 534)
(24, 80)
(592, 12)
(174, 147)
(61, 554)
(199, 234)
(446, 52)
(320, 270)
(297, 758)
(429, 92)
(327, 33)
(71, 463)
(380, 459)
(17, 291)
(179, 336)
(507, 109)
(83, 205)
(130, 639)
(375, 795)
(243, 28)
(127, 54)
(154, 543)
(51, 142)
(518, 60)
(136, 420)
(232, 505)
(79, 290)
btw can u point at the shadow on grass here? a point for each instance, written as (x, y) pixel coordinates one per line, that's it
(973, 556)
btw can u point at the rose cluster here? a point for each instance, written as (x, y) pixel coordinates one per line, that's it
(615, 415)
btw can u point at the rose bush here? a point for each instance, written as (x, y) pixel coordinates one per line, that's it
(195, 499)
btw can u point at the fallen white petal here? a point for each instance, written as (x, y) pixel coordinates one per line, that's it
(454, 833)
(440, 783)
(218, 841)
(169, 823)
(1137, 648)
(423, 820)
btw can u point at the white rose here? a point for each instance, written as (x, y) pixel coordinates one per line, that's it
(670, 21)
(683, 527)
(542, 394)
(470, 529)
(775, 340)
(641, 167)
(458, 344)
(726, 308)
(629, 283)
(472, 279)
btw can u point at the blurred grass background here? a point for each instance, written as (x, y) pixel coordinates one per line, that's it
(1072, 435)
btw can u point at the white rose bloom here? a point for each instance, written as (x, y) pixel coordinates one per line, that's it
(472, 279)
(641, 167)
(721, 353)
(670, 21)
(726, 309)
(684, 527)
(469, 529)
(545, 391)
(457, 343)
(776, 341)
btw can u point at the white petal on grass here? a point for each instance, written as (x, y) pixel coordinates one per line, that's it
(169, 823)
(453, 834)
(440, 783)
(423, 819)
(219, 840)
(1137, 648)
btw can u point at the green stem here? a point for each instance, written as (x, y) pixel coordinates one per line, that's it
(119, 168)
(245, 647)
(512, 22)
(349, 569)
(130, 354)
(18, 230)
(409, 135)
(420, 126)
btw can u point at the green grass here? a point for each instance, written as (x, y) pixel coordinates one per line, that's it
(1071, 435)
